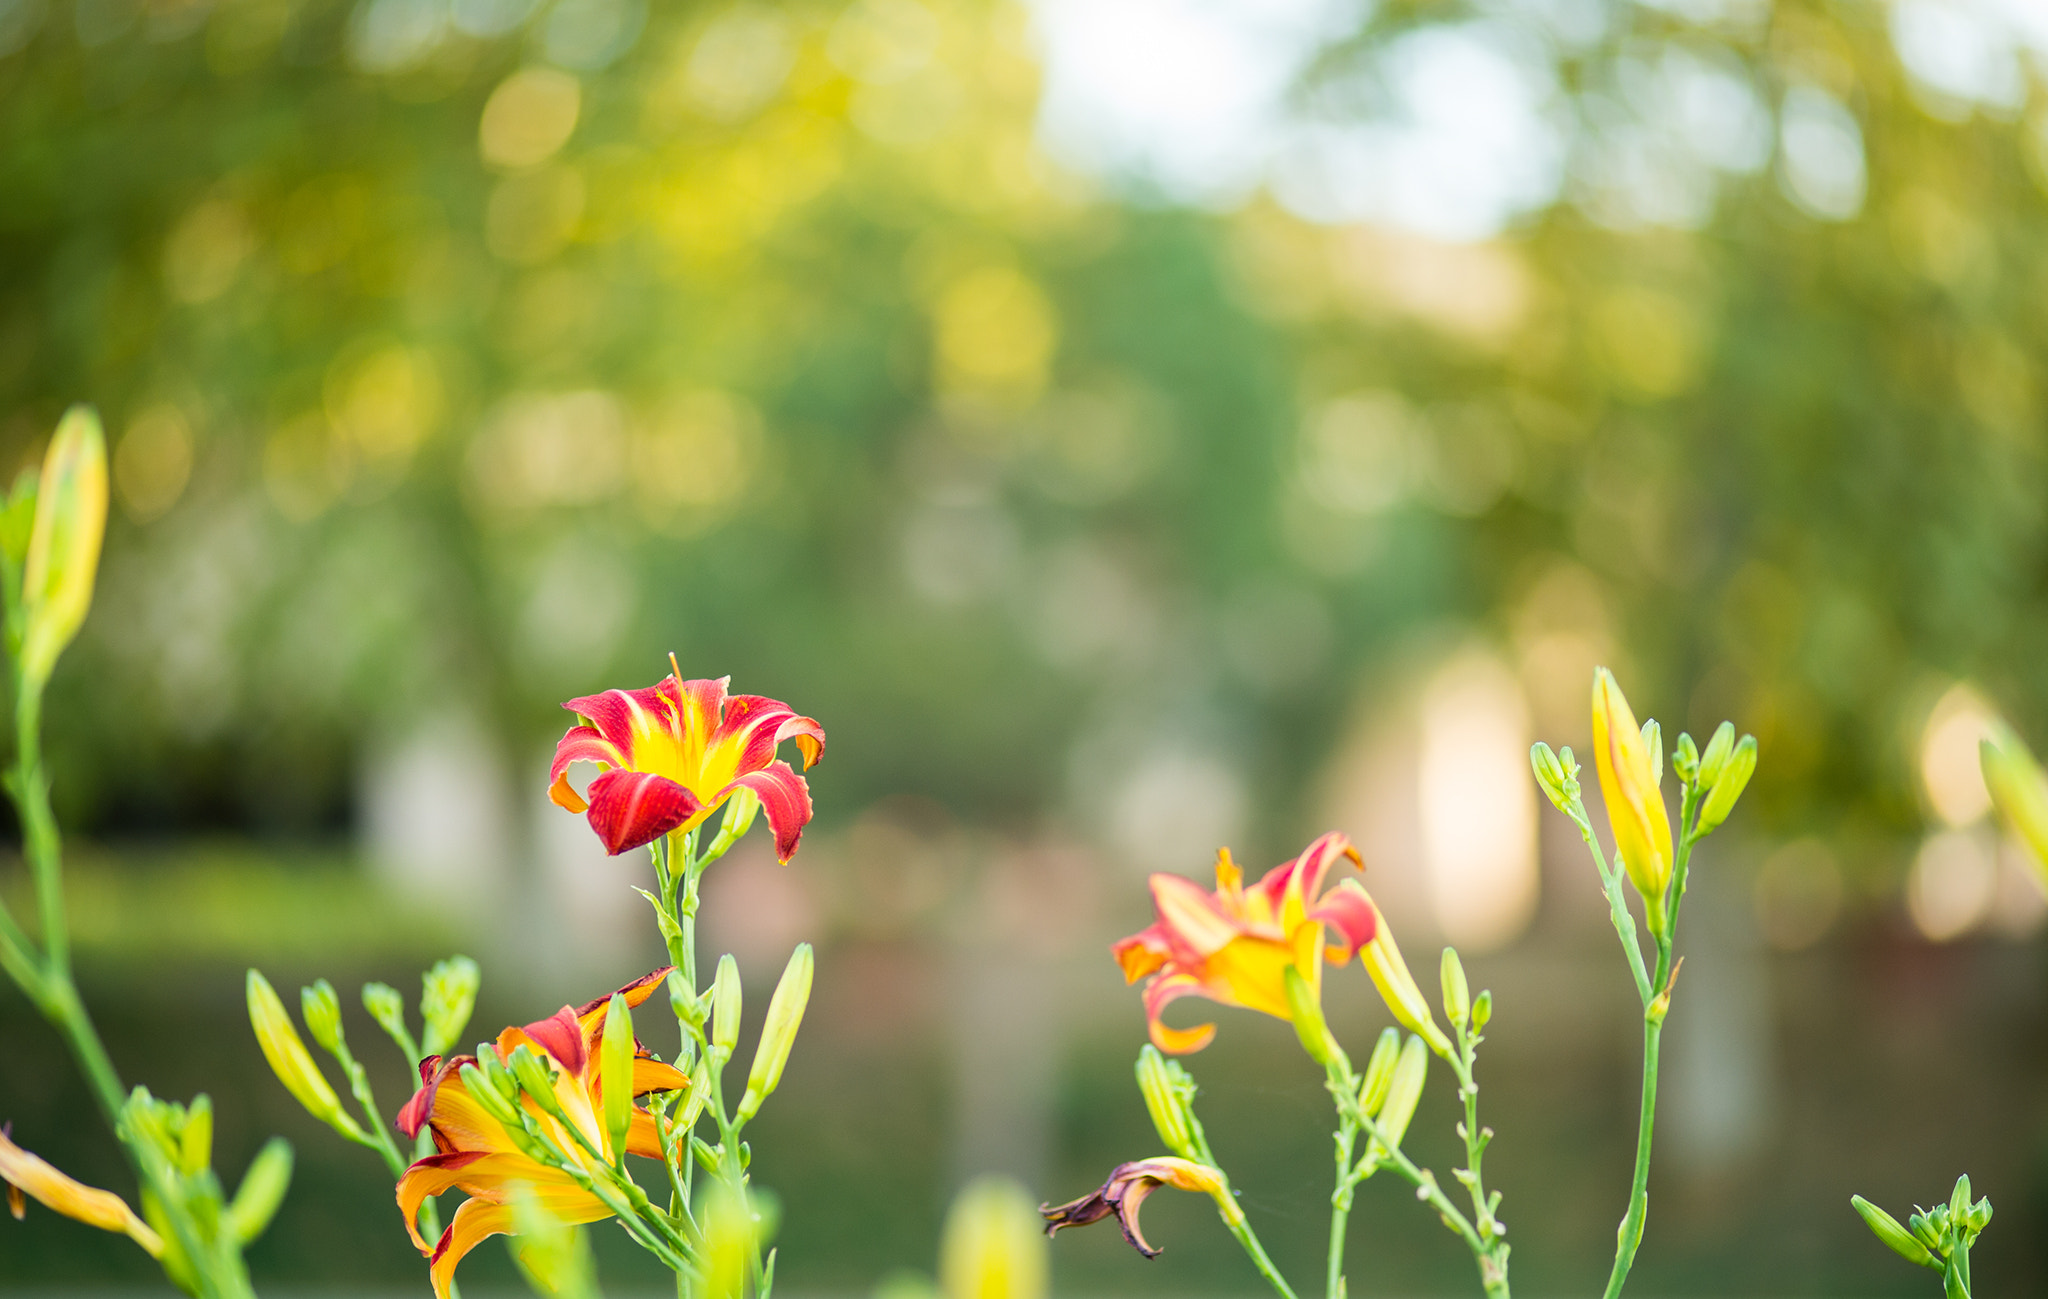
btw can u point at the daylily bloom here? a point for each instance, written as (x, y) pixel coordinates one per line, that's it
(22, 1171)
(1235, 945)
(476, 1153)
(1635, 805)
(672, 753)
(1125, 1191)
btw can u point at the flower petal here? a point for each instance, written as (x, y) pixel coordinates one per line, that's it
(787, 801)
(1167, 988)
(628, 718)
(630, 809)
(1349, 917)
(580, 744)
(73, 1198)
(478, 1220)
(590, 1015)
(1142, 953)
(561, 1037)
(1190, 919)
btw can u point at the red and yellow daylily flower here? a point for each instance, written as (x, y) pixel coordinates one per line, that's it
(672, 753)
(1235, 945)
(24, 1172)
(1125, 1192)
(474, 1152)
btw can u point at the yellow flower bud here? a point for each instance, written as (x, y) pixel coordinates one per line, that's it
(1457, 993)
(64, 545)
(993, 1247)
(1382, 960)
(778, 1033)
(2019, 790)
(291, 1062)
(1635, 806)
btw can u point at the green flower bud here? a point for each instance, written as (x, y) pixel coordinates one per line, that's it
(1887, 1229)
(994, 1244)
(740, 810)
(1653, 740)
(388, 1009)
(1734, 779)
(447, 996)
(1959, 1201)
(1404, 1092)
(778, 1032)
(1166, 1089)
(291, 1062)
(261, 1192)
(1309, 1024)
(195, 1138)
(1550, 775)
(322, 1010)
(1482, 1009)
(1685, 759)
(1923, 1229)
(725, 1007)
(1980, 1215)
(615, 1072)
(1457, 993)
(18, 519)
(689, 1010)
(64, 544)
(536, 1077)
(553, 1255)
(485, 1091)
(1379, 1071)
(1715, 759)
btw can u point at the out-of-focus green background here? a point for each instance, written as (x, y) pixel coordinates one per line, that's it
(1129, 427)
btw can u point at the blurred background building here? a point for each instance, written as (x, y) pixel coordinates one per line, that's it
(1130, 426)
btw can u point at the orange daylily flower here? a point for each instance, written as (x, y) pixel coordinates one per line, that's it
(1235, 945)
(474, 1152)
(1125, 1191)
(22, 1171)
(672, 753)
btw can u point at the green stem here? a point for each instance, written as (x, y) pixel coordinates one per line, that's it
(1340, 1204)
(1631, 1233)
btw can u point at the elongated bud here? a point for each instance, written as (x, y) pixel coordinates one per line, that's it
(535, 1077)
(1685, 758)
(689, 1011)
(1457, 993)
(1923, 1230)
(1980, 1214)
(1714, 759)
(18, 518)
(1734, 779)
(499, 1075)
(1653, 740)
(993, 1247)
(778, 1032)
(615, 1071)
(1959, 1200)
(1404, 1092)
(447, 996)
(1379, 1071)
(1382, 960)
(322, 1010)
(725, 1006)
(290, 1060)
(1635, 805)
(261, 1192)
(1163, 1086)
(740, 810)
(64, 545)
(729, 1243)
(1550, 777)
(1482, 1009)
(1307, 1015)
(195, 1137)
(484, 1091)
(2018, 789)
(1887, 1229)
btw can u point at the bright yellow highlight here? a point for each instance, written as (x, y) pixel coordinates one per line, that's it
(1635, 806)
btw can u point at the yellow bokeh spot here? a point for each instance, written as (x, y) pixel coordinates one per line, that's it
(696, 457)
(153, 462)
(529, 117)
(994, 334)
(205, 252)
(384, 398)
(531, 217)
(1652, 342)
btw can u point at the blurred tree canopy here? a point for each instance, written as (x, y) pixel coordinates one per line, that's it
(475, 353)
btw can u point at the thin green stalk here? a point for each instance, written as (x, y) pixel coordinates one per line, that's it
(1235, 1222)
